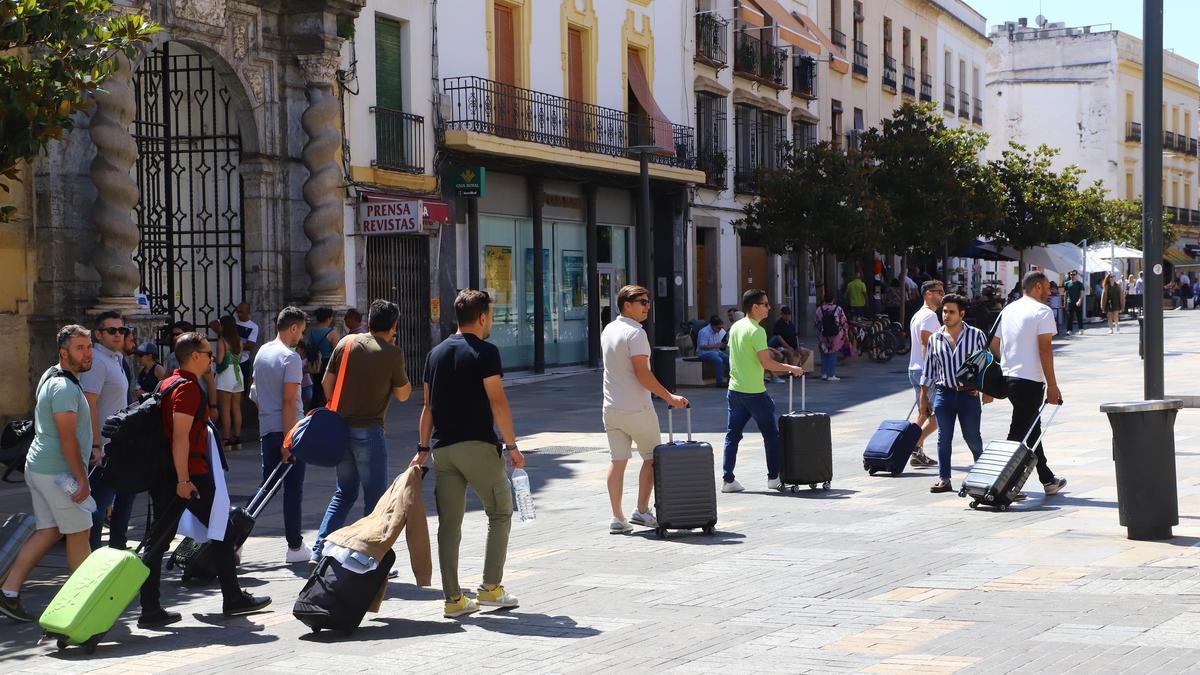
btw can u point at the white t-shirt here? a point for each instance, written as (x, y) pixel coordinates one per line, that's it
(620, 341)
(924, 320)
(248, 330)
(1021, 322)
(708, 337)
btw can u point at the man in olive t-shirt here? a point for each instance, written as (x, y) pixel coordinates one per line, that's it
(374, 374)
(749, 357)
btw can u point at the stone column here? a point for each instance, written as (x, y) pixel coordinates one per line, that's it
(116, 191)
(323, 191)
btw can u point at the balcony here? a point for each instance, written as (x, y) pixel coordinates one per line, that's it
(1168, 141)
(804, 76)
(804, 136)
(760, 61)
(486, 107)
(926, 87)
(1133, 132)
(399, 140)
(838, 38)
(977, 111)
(712, 44)
(1183, 217)
(889, 73)
(964, 106)
(909, 86)
(948, 99)
(713, 162)
(1192, 147)
(860, 58)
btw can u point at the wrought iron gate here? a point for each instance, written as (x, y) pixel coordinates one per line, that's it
(398, 270)
(190, 212)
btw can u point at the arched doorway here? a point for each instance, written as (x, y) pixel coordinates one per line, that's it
(189, 215)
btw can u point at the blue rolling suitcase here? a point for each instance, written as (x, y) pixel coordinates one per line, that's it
(685, 485)
(891, 445)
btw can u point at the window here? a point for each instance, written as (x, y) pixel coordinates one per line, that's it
(889, 63)
(389, 64)
(909, 84)
(758, 135)
(804, 134)
(926, 76)
(399, 136)
(711, 147)
(1129, 185)
(505, 35)
(835, 123)
(835, 24)
(804, 75)
(948, 84)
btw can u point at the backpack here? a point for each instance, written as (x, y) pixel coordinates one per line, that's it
(830, 326)
(135, 458)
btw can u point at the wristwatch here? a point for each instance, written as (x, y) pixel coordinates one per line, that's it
(422, 448)
(509, 447)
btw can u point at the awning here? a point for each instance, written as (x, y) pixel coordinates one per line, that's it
(1110, 251)
(837, 55)
(790, 30)
(703, 83)
(1177, 256)
(983, 250)
(660, 123)
(750, 14)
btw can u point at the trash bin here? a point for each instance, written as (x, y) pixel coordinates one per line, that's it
(663, 365)
(1144, 454)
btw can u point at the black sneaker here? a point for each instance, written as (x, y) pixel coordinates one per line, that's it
(246, 604)
(157, 618)
(1054, 486)
(11, 607)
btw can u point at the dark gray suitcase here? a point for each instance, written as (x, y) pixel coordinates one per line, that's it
(685, 484)
(805, 443)
(17, 530)
(998, 475)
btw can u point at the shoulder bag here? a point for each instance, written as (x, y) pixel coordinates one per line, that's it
(321, 437)
(981, 370)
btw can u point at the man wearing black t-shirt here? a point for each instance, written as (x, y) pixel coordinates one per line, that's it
(464, 402)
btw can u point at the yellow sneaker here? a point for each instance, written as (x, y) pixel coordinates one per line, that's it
(496, 597)
(461, 607)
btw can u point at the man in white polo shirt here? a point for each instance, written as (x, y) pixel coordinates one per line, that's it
(924, 323)
(106, 388)
(629, 415)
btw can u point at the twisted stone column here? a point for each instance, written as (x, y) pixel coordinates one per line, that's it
(116, 191)
(325, 260)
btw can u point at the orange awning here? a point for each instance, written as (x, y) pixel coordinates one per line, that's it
(790, 30)
(640, 84)
(838, 62)
(750, 14)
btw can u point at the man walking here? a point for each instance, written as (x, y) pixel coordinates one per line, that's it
(1023, 345)
(374, 376)
(60, 450)
(106, 388)
(248, 331)
(856, 296)
(195, 459)
(749, 357)
(923, 324)
(628, 412)
(464, 403)
(945, 352)
(710, 347)
(1074, 289)
(278, 372)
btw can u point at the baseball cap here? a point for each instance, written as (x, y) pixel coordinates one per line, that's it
(146, 347)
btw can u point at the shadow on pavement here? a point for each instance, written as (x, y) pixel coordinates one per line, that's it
(516, 622)
(120, 642)
(695, 537)
(386, 628)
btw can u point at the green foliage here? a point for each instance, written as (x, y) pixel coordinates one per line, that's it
(1117, 220)
(53, 55)
(1039, 204)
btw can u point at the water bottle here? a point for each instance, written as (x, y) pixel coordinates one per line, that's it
(67, 483)
(520, 481)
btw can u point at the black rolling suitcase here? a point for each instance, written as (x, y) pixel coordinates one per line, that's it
(195, 559)
(806, 445)
(335, 598)
(685, 486)
(998, 475)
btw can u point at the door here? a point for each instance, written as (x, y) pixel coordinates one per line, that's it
(754, 269)
(607, 280)
(506, 99)
(398, 270)
(576, 120)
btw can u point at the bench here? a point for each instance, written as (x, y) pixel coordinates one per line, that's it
(691, 371)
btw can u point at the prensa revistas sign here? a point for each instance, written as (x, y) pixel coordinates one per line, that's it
(391, 217)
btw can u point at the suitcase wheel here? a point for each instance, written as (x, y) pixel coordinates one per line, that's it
(661, 532)
(794, 488)
(974, 504)
(710, 530)
(62, 643)
(825, 485)
(871, 471)
(866, 467)
(897, 472)
(989, 497)
(1003, 507)
(89, 647)
(812, 486)
(316, 629)
(962, 492)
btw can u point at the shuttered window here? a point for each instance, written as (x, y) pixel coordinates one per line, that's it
(389, 65)
(506, 47)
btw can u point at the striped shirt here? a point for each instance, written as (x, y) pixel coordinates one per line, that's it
(943, 358)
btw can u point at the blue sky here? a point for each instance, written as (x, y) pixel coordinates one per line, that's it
(1181, 18)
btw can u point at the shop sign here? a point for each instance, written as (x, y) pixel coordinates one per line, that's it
(469, 181)
(402, 216)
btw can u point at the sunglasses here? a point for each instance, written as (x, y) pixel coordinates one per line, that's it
(643, 302)
(111, 330)
(208, 353)
(763, 304)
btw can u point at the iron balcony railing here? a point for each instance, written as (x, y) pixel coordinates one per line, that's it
(804, 135)
(1133, 132)
(860, 58)
(804, 76)
(889, 73)
(909, 85)
(488, 107)
(977, 111)
(711, 39)
(926, 87)
(964, 106)
(1169, 141)
(399, 140)
(1192, 147)
(760, 60)
(948, 98)
(838, 38)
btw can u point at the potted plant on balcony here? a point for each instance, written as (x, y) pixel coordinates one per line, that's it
(745, 57)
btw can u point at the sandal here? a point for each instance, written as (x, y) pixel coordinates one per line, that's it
(941, 486)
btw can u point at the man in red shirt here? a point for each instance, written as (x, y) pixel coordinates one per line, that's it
(189, 476)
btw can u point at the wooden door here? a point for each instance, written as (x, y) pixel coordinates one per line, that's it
(506, 99)
(754, 269)
(576, 120)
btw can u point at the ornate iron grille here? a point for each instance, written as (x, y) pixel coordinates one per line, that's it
(189, 215)
(398, 270)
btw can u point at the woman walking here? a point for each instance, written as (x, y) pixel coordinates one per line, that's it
(1111, 300)
(319, 343)
(831, 321)
(229, 381)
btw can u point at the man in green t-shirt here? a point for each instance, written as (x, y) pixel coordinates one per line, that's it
(856, 294)
(749, 357)
(1074, 289)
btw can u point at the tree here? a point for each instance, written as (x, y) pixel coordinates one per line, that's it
(1037, 204)
(54, 54)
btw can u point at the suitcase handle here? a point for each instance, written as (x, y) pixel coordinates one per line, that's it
(259, 501)
(671, 424)
(910, 411)
(1025, 441)
(803, 393)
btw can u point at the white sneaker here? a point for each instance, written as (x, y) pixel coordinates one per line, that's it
(774, 484)
(834, 378)
(824, 378)
(643, 519)
(297, 555)
(732, 486)
(618, 526)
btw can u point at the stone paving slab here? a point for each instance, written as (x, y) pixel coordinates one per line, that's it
(875, 575)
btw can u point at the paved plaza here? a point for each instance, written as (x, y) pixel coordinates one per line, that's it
(875, 575)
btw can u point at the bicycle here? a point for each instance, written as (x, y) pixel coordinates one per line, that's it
(873, 338)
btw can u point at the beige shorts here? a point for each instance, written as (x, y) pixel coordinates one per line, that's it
(53, 508)
(626, 427)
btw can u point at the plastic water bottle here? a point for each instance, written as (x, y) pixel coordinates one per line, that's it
(67, 483)
(520, 481)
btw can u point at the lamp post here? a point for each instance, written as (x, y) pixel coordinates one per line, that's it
(1152, 241)
(645, 262)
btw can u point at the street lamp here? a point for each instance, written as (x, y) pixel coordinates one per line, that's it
(645, 267)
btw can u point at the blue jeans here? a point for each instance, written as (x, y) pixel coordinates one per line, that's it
(720, 361)
(828, 364)
(365, 466)
(743, 407)
(949, 405)
(293, 487)
(122, 511)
